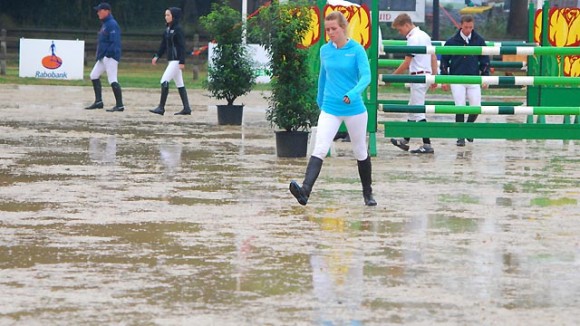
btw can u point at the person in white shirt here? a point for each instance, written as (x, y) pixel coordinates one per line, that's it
(416, 64)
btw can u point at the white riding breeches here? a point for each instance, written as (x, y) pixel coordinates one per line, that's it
(108, 65)
(418, 94)
(471, 93)
(328, 126)
(172, 72)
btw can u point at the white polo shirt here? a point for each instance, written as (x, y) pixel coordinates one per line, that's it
(421, 62)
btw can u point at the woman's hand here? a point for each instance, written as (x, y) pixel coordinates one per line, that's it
(346, 100)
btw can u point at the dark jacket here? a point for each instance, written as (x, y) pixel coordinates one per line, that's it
(109, 39)
(472, 65)
(173, 41)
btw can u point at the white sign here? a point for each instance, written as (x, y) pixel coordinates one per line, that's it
(260, 58)
(390, 9)
(51, 59)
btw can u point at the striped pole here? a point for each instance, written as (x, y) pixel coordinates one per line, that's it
(489, 80)
(441, 43)
(492, 110)
(508, 64)
(484, 50)
(393, 63)
(450, 102)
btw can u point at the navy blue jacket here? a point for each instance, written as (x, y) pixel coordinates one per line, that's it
(473, 65)
(173, 41)
(109, 39)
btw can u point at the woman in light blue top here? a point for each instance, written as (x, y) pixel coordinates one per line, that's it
(344, 75)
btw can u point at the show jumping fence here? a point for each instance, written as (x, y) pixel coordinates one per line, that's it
(540, 130)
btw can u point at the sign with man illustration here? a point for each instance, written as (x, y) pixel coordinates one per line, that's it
(51, 59)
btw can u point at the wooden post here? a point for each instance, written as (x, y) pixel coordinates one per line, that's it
(3, 52)
(196, 60)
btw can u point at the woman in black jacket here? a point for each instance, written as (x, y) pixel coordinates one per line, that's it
(174, 44)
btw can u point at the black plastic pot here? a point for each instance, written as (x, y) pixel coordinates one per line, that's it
(230, 114)
(291, 143)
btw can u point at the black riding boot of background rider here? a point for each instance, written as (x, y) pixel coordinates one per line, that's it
(302, 193)
(98, 104)
(471, 118)
(365, 173)
(160, 109)
(119, 107)
(186, 109)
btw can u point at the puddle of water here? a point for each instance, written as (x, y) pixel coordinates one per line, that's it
(23, 206)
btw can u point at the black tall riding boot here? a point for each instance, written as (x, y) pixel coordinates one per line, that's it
(186, 109)
(98, 104)
(160, 109)
(471, 118)
(312, 171)
(119, 107)
(365, 173)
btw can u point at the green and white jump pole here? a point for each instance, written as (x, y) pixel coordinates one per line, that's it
(394, 63)
(450, 102)
(490, 110)
(489, 80)
(441, 43)
(483, 50)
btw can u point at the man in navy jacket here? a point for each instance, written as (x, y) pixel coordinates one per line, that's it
(473, 65)
(108, 57)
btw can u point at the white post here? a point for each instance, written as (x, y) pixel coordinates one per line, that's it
(244, 19)
(3, 52)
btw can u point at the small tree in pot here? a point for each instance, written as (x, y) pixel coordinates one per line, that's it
(292, 103)
(230, 72)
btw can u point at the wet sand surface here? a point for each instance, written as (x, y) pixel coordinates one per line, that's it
(136, 219)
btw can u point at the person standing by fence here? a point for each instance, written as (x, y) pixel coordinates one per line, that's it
(465, 65)
(173, 43)
(108, 57)
(417, 64)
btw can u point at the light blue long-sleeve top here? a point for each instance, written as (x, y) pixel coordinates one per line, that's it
(343, 72)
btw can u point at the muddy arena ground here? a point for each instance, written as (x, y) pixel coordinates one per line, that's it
(136, 219)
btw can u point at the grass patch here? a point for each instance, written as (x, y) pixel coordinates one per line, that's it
(547, 202)
(465, 199)
(146, 75)
(138, 75)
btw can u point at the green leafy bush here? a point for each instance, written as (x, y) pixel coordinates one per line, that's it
(231, 70)
(280, 28)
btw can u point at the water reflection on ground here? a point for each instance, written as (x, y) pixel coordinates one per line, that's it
(139, 219)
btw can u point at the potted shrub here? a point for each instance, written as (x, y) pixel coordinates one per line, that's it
(230, 69)
(292, 104)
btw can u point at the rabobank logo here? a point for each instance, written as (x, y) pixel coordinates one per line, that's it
(52, 61)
